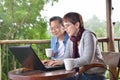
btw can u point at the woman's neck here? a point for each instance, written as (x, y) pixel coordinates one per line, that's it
(76, 32)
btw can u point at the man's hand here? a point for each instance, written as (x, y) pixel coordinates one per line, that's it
(45, 62)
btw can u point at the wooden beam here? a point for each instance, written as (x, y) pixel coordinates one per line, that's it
(110, 29)
(110, 33)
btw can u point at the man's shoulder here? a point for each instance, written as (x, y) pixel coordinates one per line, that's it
(54, 39)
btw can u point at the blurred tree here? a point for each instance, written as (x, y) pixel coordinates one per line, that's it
(21, 19)
(97, 26)
(117, 29)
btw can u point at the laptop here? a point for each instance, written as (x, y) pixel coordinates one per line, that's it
(29, 59)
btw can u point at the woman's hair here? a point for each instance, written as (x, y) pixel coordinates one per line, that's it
(56, 18)
(73, 17)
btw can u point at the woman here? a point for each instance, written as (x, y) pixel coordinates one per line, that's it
(82, 46)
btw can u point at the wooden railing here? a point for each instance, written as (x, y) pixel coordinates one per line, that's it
(39, 45)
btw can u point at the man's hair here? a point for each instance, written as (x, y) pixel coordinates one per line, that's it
(56, 18)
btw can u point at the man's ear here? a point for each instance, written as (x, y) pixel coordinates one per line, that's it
(77, 25)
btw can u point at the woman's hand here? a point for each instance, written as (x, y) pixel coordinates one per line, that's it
(54, 63)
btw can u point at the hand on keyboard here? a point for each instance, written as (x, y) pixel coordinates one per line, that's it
(45, 61)
(54, 63)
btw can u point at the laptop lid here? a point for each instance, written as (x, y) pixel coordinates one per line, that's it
(29, 59)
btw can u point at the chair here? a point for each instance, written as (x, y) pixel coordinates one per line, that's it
(112, 59)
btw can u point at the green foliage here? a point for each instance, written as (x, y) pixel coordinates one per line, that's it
(117, 29)
(22, 19)
(97, 26)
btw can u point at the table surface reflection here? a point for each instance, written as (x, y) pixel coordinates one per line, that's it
(38, 75)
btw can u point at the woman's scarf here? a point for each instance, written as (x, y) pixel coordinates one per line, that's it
(75, 40)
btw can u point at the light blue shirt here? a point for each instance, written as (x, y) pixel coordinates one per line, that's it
(55, 45)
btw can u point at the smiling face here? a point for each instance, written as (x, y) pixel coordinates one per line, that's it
(56, 28)
(71, 29)
(72, 23)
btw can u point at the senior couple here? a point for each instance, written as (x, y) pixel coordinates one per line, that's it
(71, 40)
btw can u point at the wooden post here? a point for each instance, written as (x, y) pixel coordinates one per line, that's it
(110, 30)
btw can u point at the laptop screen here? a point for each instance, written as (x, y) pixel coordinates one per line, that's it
(27, 57)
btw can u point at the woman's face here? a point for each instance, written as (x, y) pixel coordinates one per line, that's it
(71, 29)
(56, 28)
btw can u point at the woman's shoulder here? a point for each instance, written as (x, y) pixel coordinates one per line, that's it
(88, 35)
(88, 32)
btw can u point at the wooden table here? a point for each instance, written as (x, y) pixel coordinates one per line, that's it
(38, 75)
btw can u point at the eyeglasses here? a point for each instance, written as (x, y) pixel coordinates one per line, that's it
(54, 28)
(66, 25)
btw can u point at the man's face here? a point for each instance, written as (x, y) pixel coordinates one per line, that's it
(56, 28)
